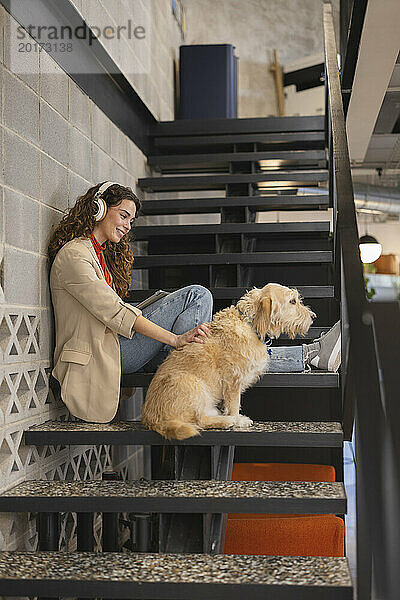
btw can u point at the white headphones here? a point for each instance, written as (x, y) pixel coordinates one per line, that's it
(100, 202)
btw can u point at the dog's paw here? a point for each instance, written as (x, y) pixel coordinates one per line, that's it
(243, 422)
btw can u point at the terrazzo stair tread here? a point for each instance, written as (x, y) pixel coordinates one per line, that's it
(298, 140)
(167, 576)
(307, 291)
(315, 229)
(235, 258)
(274, 433)
(218, 160)
(216, 182)
(254, 203)
(204, 496)
(312, 379)
(219, 126)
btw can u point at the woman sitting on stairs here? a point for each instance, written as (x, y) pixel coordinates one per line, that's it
(91, 263)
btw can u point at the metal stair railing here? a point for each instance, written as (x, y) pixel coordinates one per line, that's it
(370, 376)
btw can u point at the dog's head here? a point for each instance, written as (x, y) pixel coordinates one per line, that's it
(276, 309)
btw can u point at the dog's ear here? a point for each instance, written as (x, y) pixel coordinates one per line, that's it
(262, 317)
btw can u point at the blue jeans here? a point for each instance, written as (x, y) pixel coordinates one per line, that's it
(286, 359)
(178, 312)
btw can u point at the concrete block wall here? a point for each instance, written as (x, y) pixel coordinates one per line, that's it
(146, 61)
(55, 143)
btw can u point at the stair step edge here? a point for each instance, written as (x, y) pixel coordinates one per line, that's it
(322, 291)
(177, 496)
(295, 434)
(122, 575)
(308, 380)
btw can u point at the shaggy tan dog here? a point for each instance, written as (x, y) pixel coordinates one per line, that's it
(187, 388)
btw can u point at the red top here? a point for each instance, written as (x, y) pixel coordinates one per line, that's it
(99, 249)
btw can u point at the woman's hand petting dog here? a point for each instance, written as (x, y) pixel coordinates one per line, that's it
(197, 334)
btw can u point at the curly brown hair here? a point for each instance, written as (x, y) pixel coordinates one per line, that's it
(80, 221)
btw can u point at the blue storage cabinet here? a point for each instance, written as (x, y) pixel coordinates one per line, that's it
(208, 81)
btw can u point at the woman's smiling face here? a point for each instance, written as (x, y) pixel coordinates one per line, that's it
(117, 222)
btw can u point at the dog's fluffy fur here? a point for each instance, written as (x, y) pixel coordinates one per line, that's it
(192, 384)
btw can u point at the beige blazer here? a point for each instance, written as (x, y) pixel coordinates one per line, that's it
(88, 316)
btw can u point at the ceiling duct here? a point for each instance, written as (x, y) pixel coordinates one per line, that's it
(371, 197)
(374, 197)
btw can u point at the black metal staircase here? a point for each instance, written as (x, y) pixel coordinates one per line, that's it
(228, 256)
(258, 165)
(188, 519)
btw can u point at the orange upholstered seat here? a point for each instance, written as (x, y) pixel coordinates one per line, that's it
(282, 472)
(284, 535)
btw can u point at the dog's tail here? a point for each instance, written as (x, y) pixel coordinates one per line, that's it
(177, 430)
